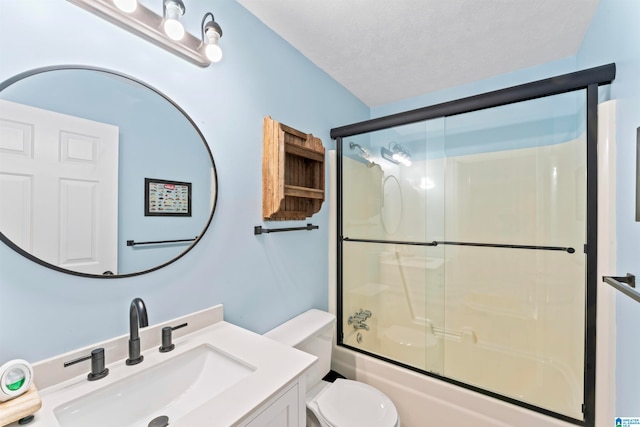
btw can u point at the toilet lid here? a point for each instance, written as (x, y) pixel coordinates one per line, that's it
(355, 404)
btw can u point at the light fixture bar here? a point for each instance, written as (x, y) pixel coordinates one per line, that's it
(148, 25)
(396, 154)
(387, 154)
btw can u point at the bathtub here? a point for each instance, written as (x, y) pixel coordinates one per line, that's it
(424, 401)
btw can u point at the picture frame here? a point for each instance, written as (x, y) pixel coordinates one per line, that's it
(167, 198)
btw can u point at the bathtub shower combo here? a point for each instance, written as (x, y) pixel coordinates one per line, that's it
(466, 242)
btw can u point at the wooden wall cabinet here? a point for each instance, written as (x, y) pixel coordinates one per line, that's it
(292, 173)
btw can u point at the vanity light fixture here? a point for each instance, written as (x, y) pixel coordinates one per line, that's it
(211, 33)
(165, 31)
(396, 154)
(172, 11)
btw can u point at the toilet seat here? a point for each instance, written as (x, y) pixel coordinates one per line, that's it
(347, 403)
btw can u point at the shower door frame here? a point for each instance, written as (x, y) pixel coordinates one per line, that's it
(589, 80)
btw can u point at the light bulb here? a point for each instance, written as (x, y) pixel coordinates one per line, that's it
(127, 6)
(173, 10)
(212, 50)
(174, 29)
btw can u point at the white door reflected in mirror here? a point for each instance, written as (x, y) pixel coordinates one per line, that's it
(59, 184)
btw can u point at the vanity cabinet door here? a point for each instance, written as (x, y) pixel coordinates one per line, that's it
(284, 411)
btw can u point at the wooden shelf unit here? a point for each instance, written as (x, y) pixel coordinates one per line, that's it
(292, 173)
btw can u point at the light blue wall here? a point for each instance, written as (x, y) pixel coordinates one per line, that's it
(538, 122)
(614, 36)
(261, 280)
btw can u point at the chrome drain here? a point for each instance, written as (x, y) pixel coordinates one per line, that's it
(161, 421)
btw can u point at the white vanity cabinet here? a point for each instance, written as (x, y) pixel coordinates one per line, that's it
(218, 374)
(286, 409)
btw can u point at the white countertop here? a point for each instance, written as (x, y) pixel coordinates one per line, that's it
(276, 366)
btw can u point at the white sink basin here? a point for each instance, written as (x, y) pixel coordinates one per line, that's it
(171, 388)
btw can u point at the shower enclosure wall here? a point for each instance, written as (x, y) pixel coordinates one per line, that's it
(463, 249)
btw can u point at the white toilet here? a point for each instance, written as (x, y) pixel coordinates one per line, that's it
(343, 403)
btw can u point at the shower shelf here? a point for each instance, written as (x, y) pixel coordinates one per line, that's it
(292, 173)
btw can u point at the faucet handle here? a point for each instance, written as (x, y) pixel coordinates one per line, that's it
(98, 370)
(167, 345)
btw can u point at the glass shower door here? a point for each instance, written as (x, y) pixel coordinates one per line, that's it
(516, 180)
(393, 275)
(467, 261)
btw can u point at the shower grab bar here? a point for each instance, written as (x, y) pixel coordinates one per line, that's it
(259, 230)
(486, 245)
(156, 242)
(624, 284)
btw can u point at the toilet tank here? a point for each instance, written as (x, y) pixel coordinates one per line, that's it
(311, 332)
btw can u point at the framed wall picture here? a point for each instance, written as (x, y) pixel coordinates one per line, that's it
(166, 198)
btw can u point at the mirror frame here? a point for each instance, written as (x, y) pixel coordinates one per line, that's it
(5, 84)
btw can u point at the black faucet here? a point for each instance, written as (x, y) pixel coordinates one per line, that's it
(137, 318)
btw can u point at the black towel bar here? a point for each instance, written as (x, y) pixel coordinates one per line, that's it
(259, 230)
(624, 284)
(134, 243)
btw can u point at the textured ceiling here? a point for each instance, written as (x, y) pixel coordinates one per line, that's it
(388, 50)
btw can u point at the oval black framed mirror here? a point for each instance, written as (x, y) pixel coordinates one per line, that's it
(101, 175)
